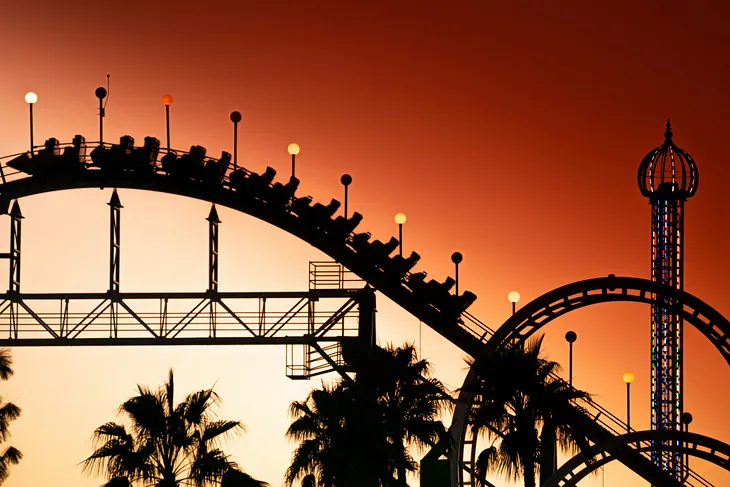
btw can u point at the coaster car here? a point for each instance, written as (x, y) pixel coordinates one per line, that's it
(380, 251)
(416, 282)
(169, 161)
(119, 154)
(214, 171)
(38, 162)
(342, 228)
(190, 165)
(281, 194)
(464, 301)
(252, 183)
(359, 242)
(400, 266)
(74, 156)
(144, 159)
(301, 206)
(237, 178)
(320, 215)
(438, 293)
(114, 158)
(258, 184)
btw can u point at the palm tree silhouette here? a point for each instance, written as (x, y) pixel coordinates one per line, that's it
(359, 433)
(523, 407)
(168, 445)
(8, 413)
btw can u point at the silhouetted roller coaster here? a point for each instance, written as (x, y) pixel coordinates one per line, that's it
(57, 166)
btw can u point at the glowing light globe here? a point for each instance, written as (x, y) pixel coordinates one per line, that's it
(628, 377)
(513, 297)
(167, 100)
(293, 149)
(31, 97)
(400, 218)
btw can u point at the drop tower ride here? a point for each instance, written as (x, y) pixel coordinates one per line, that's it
(667, 176)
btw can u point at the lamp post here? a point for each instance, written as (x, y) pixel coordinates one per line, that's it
(628, 378)
(513, 298)
(101, 94)
(400, 219)
(346, 181)
(570, 337)
(686, 419)
(167, 101)
(456, 258)
(293, 149)
(235, 118)
(30, 99)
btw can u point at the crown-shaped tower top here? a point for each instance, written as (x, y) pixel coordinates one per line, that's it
(668, 171)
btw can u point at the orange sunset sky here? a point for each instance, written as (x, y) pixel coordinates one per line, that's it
(509, 131)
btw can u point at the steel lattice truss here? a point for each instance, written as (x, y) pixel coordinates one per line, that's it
(666, 328)
(315, 319)
(159, 318)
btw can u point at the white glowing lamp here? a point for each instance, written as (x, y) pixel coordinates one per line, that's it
(31, 97)
(400, 218)
(293, 149)
(513, 297)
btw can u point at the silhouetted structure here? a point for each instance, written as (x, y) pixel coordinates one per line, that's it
(667, 176)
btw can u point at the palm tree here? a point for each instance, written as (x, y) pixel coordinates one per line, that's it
(358, 433)
(167, 445)
(322, 425)
(410, 398)
(8, 413)
(524, 408)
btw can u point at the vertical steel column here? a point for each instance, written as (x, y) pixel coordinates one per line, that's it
(14, 285)
(213, 222)
(15, 219)
(115, 215)
(366, 328)
(667, 326)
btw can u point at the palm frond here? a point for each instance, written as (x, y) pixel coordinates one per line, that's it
(221, 428)
(6, 362)
(237, 478)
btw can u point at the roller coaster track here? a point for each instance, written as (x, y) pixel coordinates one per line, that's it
(553, 304)
(194, 175)
(691, 444)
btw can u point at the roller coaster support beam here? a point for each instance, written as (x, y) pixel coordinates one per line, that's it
(15, 223)
(213, 222)
(366, 329)
(115, 215)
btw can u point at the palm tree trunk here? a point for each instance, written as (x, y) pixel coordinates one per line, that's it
(402, 476)
(530, 470)
(547, 451)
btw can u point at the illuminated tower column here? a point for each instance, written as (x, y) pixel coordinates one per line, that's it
(667, 176)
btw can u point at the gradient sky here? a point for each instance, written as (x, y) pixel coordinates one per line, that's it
(509, 132)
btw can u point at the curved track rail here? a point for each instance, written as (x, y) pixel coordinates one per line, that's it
(691, 444)
(553, 304)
